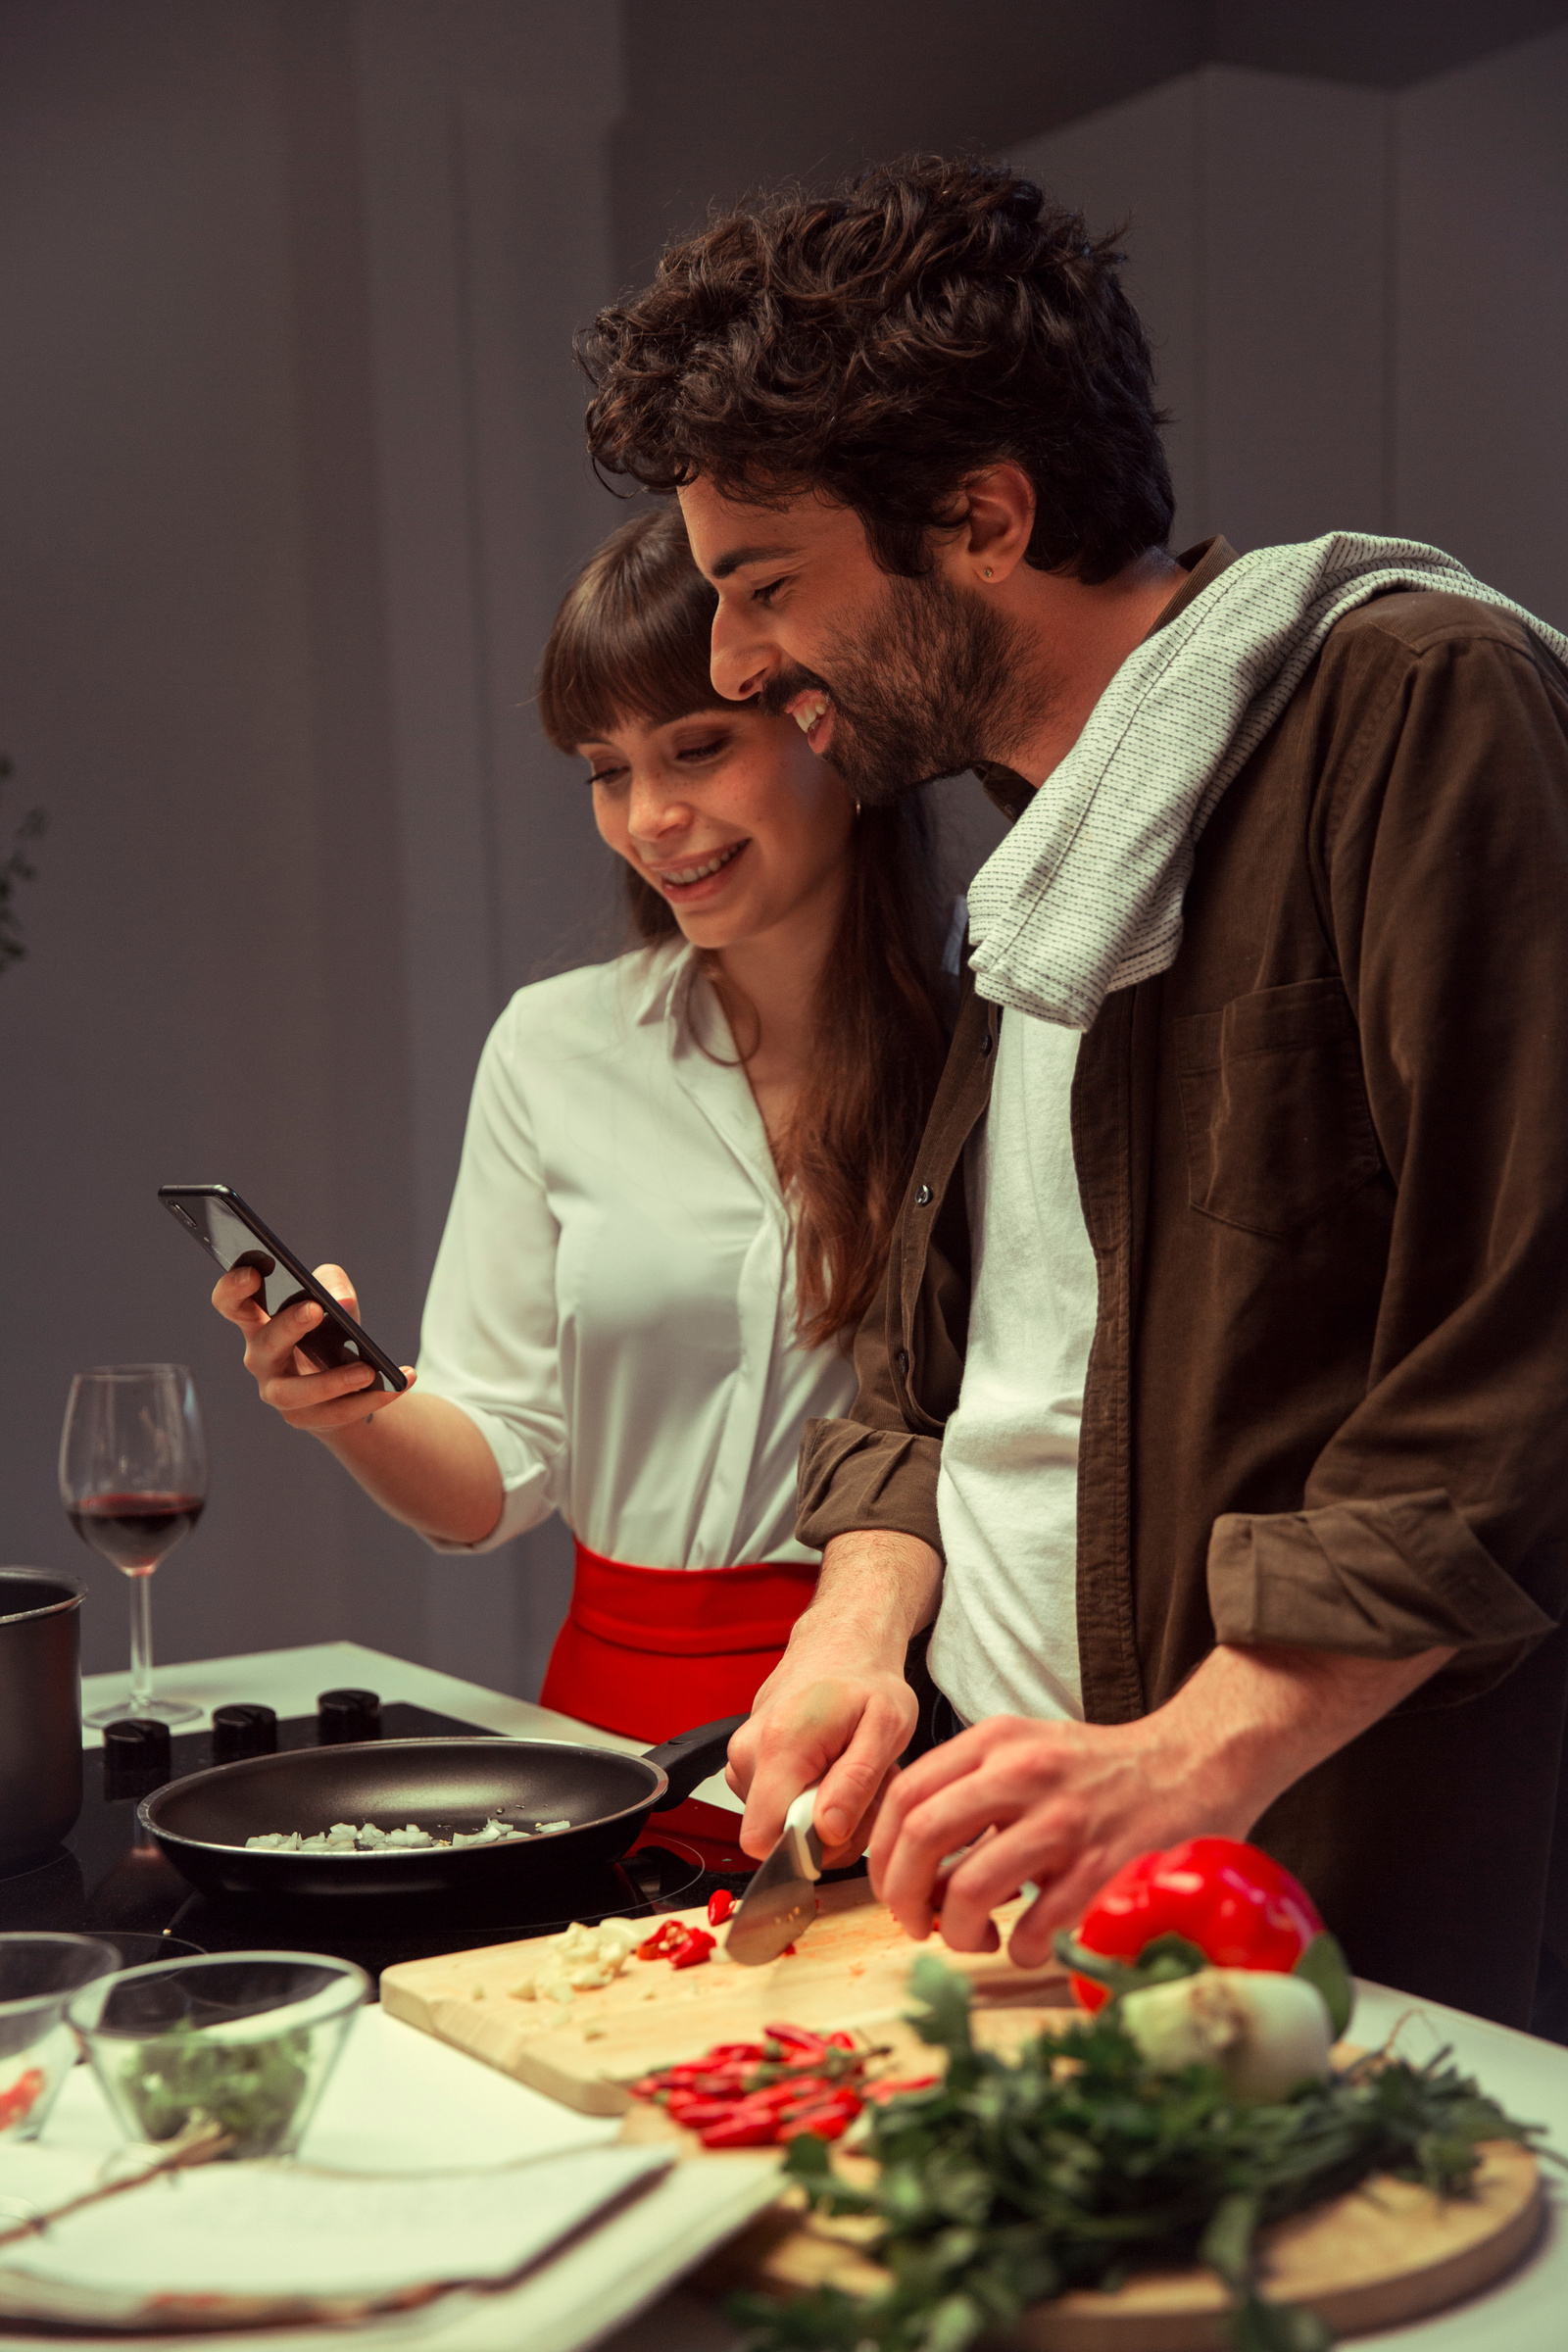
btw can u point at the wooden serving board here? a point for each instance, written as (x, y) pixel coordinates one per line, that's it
(1388, 2253)
(851, 1970)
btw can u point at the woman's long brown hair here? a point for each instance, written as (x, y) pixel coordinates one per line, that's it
(632, 643)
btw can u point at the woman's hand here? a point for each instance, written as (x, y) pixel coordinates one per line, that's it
(322, 1402)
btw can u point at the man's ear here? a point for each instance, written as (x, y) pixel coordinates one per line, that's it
(996, 521)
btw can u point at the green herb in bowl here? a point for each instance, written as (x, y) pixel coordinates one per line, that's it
(243, 2040)
(252, 2090)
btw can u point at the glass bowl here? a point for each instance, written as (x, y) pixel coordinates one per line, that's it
(38, 1974)
(242, 2040)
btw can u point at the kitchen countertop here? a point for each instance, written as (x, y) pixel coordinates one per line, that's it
(400, 2102)
(1529, 2077)
(291, 1679)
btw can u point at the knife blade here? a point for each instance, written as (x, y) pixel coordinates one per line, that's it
(779, 1904)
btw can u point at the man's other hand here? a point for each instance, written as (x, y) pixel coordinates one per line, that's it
(1061, 1805)
(1064, 1806)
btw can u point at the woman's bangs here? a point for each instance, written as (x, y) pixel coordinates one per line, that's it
(630, 642)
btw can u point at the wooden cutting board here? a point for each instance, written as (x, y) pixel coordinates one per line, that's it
(851, 1970)
(1388, 2253)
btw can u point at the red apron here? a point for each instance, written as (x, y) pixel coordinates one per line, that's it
(653, 1651)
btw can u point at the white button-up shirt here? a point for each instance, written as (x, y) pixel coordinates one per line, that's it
(613, 1299)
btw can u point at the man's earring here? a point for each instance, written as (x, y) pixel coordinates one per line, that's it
(988, 571)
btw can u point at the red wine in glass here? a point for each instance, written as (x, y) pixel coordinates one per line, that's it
(134, 1531)
(134, 1479)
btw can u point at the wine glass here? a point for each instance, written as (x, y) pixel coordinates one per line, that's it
(133, 1480)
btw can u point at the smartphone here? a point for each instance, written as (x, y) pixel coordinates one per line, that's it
(229, 1230)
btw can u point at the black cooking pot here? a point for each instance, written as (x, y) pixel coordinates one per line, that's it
(203, 1821)
(40, 1713)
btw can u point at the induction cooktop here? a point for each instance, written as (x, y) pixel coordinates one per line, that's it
(109, 1878)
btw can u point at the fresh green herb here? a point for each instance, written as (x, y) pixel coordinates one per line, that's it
(253, 2090)
(1071, 2165)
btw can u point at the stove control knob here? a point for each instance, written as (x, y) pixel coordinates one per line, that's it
(244, 1730)
(348, 1715)
(137, 1756)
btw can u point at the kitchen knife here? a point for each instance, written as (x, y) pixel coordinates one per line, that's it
(778, 1905)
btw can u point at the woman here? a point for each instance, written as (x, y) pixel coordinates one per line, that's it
(678, 1178)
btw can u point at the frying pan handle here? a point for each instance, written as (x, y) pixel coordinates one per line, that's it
(692, 1756)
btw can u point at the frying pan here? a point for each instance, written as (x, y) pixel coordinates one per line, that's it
(202, 1821)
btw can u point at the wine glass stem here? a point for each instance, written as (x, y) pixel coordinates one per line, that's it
(141, 1641)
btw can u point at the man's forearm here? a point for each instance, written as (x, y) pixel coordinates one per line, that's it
(1256, 1720)
(876, 1591)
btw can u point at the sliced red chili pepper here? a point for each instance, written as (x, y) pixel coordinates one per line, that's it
(694, 1950)
(17, 2103)
(818, 2127)
(800, 2043)
(841, 2041)
(741, 2131)
(663, 1941)
(721, 1903)
(779, 2096)
(826, 2094)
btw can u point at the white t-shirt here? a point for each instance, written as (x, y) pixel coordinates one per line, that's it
(1005, 1640)
(614, 1300)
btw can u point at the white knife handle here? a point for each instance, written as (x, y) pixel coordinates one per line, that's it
(798, 1824)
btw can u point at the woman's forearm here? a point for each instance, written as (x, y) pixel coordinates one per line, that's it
(425, 1463)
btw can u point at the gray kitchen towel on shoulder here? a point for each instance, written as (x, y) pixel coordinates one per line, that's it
(1085, 894)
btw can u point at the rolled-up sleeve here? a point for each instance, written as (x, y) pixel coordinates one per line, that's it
(870, 1470)
(1435, 1515)
(489, 1342)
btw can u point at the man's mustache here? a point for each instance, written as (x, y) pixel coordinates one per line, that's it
(782, 689)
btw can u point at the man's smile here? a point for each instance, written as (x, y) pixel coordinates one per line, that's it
(812, 712)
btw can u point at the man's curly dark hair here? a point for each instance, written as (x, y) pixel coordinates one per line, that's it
(880, 346)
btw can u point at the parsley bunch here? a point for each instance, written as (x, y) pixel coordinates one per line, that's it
(1075, 2163)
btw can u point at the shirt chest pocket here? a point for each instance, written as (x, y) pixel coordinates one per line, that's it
(1277, 1127)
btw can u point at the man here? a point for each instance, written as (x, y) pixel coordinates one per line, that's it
(1215, 1410)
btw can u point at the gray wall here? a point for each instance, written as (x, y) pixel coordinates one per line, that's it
(291, 476)
(730, 95)
(1358, 300)
(292, 469)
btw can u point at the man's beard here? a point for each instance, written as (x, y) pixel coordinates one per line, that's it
(938, 680)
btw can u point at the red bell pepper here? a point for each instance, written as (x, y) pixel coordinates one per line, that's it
(1237, 1905)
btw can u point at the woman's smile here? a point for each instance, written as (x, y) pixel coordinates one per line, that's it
(684, 885)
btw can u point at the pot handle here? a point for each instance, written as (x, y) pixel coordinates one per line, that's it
(691, 1755)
